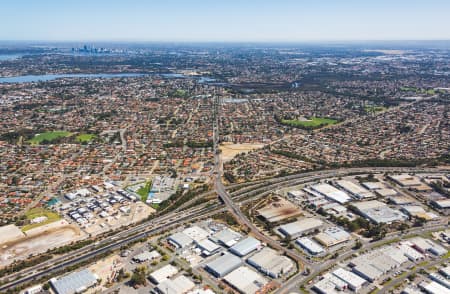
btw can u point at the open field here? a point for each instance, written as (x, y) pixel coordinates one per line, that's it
(313, 122)
(230, 150)
(85, 138)
(39, 240)
(39, 212)
(49, 136)
(144, 190)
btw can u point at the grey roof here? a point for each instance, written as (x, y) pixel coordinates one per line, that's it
(224, 265)
(181, 239)
(227, 237)
(245, 246)
(74, 282)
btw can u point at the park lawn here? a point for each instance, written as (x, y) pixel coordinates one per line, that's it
(37, 212)
(49, 136)
(313, 122)
(144, 190)
(85, 138)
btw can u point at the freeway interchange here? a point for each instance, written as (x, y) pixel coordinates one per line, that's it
(172, 219)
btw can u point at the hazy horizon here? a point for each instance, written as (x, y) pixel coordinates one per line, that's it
(232, 21)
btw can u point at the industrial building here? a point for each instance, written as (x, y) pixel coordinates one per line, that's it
(196, 233)
(425, 245)
(434, 288)
(418, 211)
(330, 284)
(298, 228)
(245, 246)
(270, 263)
(310, 246)
(332, 236)
(353, 281)
(226, 237)
(146, 256)
(378, 212)
(405, 180)
(331, 193)
(76, 282)
(163, 274)
(245, 280)
(207, 247)
(178, 285)
(223, 265)
(180, 240)
(355, 190)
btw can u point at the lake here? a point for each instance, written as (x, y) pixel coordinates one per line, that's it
(50, 77)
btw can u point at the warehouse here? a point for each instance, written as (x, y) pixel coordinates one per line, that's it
(163, 274)
(355, 190)
(367, 271)
(270, 263)
(445, 271)
(405, 180)
(441, 204)
(226, 237)
(329, 284)
(146, 256)
(332, 193)
(208, 247)
(378, 212)
(180, 240)
(245, 280)
(178, 285)
(309, 245)
(332, 236)
(76, 282)
(245, 246)
(353, 281)
(298, 228)
(424, 245)
(411, 253)
(440, 279)
(196, 233)
(433, 288)
(223, 265)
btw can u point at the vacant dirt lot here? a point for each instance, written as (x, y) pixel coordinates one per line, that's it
(230, 150)
(39, 240)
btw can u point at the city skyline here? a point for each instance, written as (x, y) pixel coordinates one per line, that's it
(230, 21)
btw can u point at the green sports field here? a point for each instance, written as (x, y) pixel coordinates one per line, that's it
(85, 138)
(49, 136)
(313, 122)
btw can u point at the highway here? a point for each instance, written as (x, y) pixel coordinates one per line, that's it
(245, 191)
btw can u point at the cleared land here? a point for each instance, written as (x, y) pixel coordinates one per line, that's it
(230, 150)
(39, 212)
(85, 138)
(313, 122)
(49, 136)
(39, 240)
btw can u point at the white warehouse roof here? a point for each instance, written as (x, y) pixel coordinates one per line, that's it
(331, 193)
(245, 280)
(245, 246)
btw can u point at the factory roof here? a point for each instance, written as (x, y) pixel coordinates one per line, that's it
(332, 236)
(367, 271)
(178, 285)
(207, 246)
(435, 288)
(146, 255)
(180, 239)
(332, 193)
(356, 190)
(245, 280)
(245, 246)
(350, 278)
(310, 245)
(300, 226)
(226, 237)
(270, 262)
(162, 274)
(196, 233)
(74, 282)
(224, 264)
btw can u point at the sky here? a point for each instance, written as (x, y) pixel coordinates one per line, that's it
(224, 20)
